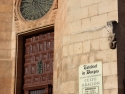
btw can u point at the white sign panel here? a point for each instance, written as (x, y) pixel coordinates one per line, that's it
(90, 78)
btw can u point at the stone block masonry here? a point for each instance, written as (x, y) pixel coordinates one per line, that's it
(6, 67)
(84, 40)
(88, 47)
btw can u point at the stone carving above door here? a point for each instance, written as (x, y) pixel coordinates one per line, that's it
(21, 24)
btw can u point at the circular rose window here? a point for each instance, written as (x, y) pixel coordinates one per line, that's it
(35, 9)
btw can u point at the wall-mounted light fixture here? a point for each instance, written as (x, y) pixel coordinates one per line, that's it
(111, 34)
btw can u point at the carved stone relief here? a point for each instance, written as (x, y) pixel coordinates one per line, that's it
(112, 36)
(21, 25)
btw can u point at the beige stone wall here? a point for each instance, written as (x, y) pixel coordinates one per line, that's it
(81, 38)
(6, 66)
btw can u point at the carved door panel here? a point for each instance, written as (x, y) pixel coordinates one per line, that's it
(38, 64)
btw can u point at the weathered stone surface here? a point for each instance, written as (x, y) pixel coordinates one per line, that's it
(106, 69)
(66, 40)
(104, 43)
(91, 57)
(65, 50)
(76, 61)
(107, 91)
(6, 2)
(72, 74)
(86, 3)
(115, 91)
(109, 68)
(5, 54)
(84, 59)
(5, 63)
(86, 46)
(111, 55)
(97, 1)
(81, 37)
(5, 36)
(66, 63)
(113, 16)
(93, 10)
(76, 26)
(5, 17)
(77, 13)
(100, 56)
(85, 24)
(5, 44)
(6, 70)
(114, 69)
(95, 44)
(107, 6)
(65, 87)
(78, 48)
(70, 51)
(6, 8)
(3, 90)
(84, 12)
(110, 82)
(97, 21)
(2, 26)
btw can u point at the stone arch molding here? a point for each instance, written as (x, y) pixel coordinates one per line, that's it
(20, 24)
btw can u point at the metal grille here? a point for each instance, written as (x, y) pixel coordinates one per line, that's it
(35, 9)
(42, 91)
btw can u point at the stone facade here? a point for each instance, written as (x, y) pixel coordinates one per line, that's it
(80, 37)
(6, 66)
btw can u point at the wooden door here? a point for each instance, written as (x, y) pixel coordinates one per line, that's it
(38, 64)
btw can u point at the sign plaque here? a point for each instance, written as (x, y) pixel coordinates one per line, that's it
(90, 78)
